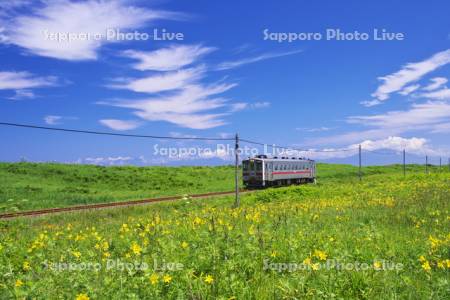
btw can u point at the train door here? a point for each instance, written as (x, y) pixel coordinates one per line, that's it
(270, 171)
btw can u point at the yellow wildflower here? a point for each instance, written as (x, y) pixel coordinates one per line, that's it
(252, 230)
(426, 266)
(26, 266)
(136, 248)
(184, 245)
(154, 278)
(320, 254)
(167, 278)
(274, 254)
(377, 265)
(82, 297)
(209, 279)
(77, 254)
(18, 283)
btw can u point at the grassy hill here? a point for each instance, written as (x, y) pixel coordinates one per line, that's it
(25, 186)
(386, 237)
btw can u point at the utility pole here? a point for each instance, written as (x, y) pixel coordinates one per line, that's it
(236, 171)
(449, 164)
(360, 171)
(404, 162)
(440, 164)
(426, 164)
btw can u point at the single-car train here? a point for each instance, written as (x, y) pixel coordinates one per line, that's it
(261, 171)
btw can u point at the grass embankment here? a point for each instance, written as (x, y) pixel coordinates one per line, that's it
(27, 186)
(387, 238)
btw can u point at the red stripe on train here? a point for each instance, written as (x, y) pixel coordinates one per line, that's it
(287, 173)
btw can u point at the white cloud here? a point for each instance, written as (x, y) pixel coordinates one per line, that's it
(120, 125)
(409, 89)
(181, 135)
(161, 82)
(55, 120)
(237, 63)
(319, 129)
(184, 108)
(93, 17)
(396, 143)
(52, 120)
(427, 116)
(119, 160)
(419, 116)
(414, 145)
(12, 4)
(24, 80)
(408, 74)
(442, 94)
(168, 59)
(441, 128)
(436, 83)
(23, 94)
(243, 105)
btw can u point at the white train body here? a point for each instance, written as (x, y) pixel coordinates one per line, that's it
(261, 171)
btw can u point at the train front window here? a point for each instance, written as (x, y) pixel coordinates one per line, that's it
(258, 165)
(245, 165)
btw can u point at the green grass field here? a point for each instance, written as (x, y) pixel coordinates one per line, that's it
(27, 186)
(387, 237)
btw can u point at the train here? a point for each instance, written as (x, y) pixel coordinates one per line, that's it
(261, 171)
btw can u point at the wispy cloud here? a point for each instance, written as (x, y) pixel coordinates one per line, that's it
(55, 120)
(235, 107)
(12, 4)
(168, 59)
(108, 161)
(185, 108)
(92, 17)
(396, 144)
(22, 94)
(24, 80)
(52, 120)
(161, 82)
(410, 73)
(409, 89)
(442, 94)
(436, 83)
(427, 116)
(120, 125)
(318, 129)
(249, 60)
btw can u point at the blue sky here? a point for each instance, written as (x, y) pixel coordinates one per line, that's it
(223, 76)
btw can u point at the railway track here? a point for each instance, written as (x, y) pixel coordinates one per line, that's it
(49, 211)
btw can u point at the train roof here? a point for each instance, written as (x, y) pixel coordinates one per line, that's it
(279, 159)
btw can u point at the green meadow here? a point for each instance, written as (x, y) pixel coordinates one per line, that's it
(27, 186)
(386, 237)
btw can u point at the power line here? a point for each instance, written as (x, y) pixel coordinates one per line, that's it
(393, 152)
(114, 134)
(297, 149)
